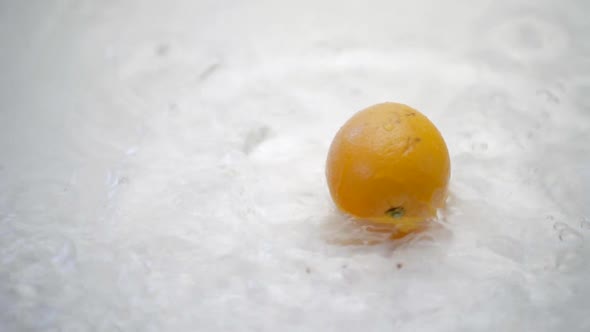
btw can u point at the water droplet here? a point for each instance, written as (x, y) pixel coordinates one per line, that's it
(585, 224)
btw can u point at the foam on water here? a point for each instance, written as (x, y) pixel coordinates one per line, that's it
(162, 166)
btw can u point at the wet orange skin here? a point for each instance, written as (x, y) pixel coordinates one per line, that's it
(389, 164)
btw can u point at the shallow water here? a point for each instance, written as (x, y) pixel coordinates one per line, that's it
(162, 165)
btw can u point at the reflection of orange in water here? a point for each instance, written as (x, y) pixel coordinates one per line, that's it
(389, 165)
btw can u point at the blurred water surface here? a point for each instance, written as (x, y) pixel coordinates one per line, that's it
(161, 165)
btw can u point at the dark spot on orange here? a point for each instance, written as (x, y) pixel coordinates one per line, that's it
(396, 212)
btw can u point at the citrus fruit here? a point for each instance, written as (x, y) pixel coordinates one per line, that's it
(389, 164)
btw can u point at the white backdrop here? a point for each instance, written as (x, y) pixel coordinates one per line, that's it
(162, 165)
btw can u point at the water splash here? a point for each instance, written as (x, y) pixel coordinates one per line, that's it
(567, 234)
(585, 223)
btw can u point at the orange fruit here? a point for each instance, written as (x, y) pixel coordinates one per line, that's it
(389, 164)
